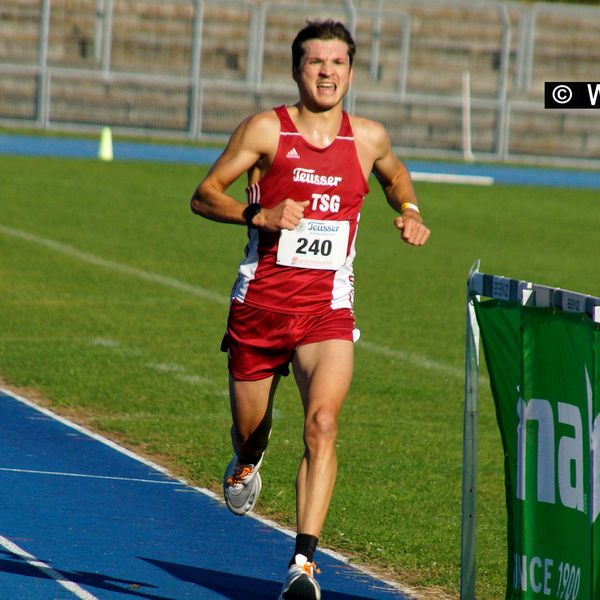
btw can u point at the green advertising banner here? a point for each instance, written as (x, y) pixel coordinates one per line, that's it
(544, 364)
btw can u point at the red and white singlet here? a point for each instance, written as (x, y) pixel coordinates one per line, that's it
(303, 276)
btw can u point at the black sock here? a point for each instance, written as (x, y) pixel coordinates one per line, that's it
(249, 460)
(306, 544)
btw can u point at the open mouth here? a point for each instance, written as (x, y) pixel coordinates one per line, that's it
(327, 85)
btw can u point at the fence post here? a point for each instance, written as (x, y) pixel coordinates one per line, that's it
(350, 100)
(42, 99)
(469, 474)
(501, 124)
(466, 117)
(525, 48)
(107, 26)
(98, 30)
(194, 94)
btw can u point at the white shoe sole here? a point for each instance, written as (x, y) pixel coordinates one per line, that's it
(301, 588)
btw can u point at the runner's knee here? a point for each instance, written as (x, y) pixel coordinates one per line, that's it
(320, 429)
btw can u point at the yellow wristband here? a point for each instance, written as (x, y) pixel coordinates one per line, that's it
(410, 205)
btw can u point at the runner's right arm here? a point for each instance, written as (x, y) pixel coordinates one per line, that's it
(254, 141)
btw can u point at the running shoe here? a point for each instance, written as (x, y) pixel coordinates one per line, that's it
(241, 486)
(300, 583)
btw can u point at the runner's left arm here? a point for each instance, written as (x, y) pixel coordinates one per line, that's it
(397, 185)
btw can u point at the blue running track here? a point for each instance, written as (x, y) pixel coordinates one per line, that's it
(501, 174)
(84, 518)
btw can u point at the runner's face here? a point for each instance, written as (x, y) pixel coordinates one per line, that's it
(324, 74)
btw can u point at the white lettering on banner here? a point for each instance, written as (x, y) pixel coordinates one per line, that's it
(595, 448)
(569, 456)
(569, 581)
(310, 176)
(520, 573)
(536, 574)
(540, 411)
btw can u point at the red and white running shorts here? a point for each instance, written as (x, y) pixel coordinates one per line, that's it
(260, 343)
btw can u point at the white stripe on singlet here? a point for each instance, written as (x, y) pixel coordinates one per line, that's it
(344, 138)
(253, 193)
(248, 266)
(342, 293)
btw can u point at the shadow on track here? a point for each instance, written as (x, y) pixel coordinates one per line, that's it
(234, 587)
(15, 565)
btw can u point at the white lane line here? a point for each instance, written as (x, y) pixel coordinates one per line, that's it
(46, 569)
(98, 261)
(452, 178)
(414, 359)
(87, 432)
(86, 476)
(177, 370)
(165, 367)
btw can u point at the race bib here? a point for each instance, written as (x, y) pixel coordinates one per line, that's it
(314, 245)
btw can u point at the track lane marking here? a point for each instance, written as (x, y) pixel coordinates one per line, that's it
(98, 261)
(87, 476)
(46, 569)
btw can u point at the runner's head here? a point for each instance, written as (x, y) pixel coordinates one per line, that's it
(321, 30)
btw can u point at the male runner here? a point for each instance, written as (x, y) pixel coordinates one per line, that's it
(307, 168)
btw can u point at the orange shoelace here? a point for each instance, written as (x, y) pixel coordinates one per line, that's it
(309, 567)
(240, 472)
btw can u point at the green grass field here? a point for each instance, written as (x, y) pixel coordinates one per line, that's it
(114, 299)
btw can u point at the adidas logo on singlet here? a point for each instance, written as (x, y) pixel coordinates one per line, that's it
(293, 153)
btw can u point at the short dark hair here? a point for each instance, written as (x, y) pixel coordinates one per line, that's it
(321, 30)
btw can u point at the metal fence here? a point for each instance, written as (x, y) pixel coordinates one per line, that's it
(446, 77)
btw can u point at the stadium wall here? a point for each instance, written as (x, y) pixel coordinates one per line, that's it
(448, 78)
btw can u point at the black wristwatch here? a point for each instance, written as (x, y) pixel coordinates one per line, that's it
(250, 212)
